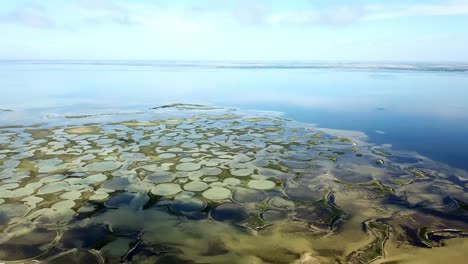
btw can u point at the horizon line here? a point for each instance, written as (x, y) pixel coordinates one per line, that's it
(233, 60)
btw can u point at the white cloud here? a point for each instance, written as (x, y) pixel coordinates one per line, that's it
(33, 15)
(336, 16)
(448, 8)
(217, 13)
(340, 15)
(258, 12)
(105, 11)
(250, 12)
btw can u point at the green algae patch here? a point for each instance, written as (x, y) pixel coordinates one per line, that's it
(375, 250)
(83, 130)
(418, 173)
(180, 106)
(401, 182)
(142, 124)
(272, 129)
(256, 120)
(382, 153)
(422, 234)
(77, 116)
(226, 117)
(38, 133)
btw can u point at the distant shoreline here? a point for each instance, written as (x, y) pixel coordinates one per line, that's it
(399, 66)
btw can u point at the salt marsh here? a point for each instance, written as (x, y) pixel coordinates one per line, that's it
(198, 184)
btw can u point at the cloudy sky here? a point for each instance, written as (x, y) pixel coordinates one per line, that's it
(330, 30)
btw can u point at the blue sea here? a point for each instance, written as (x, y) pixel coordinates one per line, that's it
(413, 107)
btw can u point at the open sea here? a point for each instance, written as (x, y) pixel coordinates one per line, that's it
(413, 107)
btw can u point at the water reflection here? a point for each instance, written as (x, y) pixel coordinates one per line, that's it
(418, 107)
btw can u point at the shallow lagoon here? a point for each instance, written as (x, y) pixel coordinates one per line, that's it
(195, 184)
(412, 106)
(353, 164)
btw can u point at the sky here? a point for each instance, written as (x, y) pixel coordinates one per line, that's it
(309, 30)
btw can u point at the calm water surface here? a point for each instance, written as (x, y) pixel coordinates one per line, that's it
(415, 110)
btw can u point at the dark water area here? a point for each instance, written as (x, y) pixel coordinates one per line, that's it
(439, 138)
